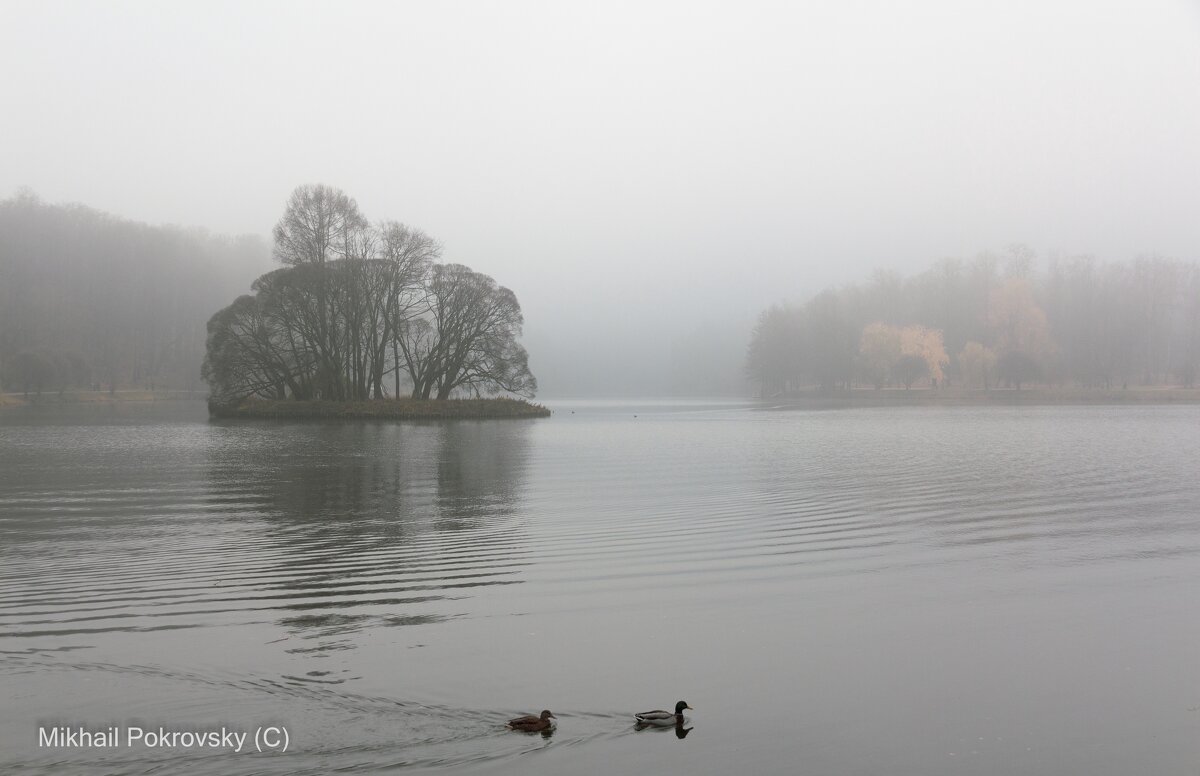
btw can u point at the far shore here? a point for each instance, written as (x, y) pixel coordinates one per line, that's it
(52, 398)
(961, 397)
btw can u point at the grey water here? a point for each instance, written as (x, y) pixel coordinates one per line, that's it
(893, 590)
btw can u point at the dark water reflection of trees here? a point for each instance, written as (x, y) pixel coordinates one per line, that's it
(377, 524)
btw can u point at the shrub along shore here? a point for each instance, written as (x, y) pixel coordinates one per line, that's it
(383, 409)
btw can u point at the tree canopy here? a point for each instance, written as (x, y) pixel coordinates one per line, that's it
(1076, 320)
(88, 299)
(357, 304)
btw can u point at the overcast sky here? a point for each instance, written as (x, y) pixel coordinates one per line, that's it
(631, 170)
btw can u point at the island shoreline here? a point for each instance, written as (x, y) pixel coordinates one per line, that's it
(382, 409)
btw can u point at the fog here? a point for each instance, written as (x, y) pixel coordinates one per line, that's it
(646, 177)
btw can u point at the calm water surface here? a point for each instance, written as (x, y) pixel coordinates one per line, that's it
(901, 590)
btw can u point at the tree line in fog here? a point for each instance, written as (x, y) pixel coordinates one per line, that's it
(363, 311)
(89, 300)
(990, 321)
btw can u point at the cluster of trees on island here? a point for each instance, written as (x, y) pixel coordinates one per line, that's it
(89, 300)
(990, 321)
(363, 311)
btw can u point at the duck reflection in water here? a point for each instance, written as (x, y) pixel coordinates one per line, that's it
(681, 732)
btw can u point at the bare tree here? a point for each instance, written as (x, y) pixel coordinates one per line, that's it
(409, 253)
(467, 339)
(248, 355)
(319, 224)
(773, 357)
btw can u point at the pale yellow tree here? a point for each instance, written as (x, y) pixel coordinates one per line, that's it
(882, 346)
(927, 344)
(978, 364)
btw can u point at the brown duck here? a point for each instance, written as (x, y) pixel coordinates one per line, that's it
(532, 724)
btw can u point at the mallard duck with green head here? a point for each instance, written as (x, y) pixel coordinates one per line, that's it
(661, 718)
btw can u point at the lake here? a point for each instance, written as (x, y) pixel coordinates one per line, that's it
(997, 590)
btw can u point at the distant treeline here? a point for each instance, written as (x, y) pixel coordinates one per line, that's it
(89, 300)
(989, 321)
(363, 311)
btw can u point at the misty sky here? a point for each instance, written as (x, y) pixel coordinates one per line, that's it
(632, 170)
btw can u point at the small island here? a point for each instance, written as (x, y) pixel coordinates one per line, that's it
(362, 321)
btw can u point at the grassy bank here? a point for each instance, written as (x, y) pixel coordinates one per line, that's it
(384, 409)
(959, 397)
